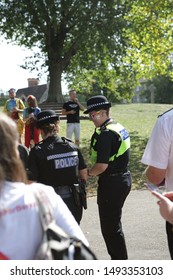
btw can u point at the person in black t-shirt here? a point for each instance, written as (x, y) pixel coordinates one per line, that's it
(58, 162)
(71, 108)
(110, 153)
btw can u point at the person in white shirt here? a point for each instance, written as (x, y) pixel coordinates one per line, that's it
(158, 155)
(20, 225)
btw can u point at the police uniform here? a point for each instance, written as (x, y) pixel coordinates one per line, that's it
(56, 161)
(159, 154)
(110, 144)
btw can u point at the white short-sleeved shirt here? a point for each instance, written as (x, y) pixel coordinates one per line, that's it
(159, 149)
(20, 226)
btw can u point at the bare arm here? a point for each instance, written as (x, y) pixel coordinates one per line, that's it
(82, 108)
(97, 169)
(83, 174)
(155, 175)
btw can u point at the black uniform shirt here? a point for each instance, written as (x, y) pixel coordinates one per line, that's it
(24, 154)
(71, 105)
(55, 162)
(108, 143)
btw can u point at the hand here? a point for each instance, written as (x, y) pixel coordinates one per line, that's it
(76, 100)
(169, 195)
(14, 109)
(31, 115)
(166, 207)
(72, 112)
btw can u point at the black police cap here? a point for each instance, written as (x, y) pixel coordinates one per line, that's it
(96, 103)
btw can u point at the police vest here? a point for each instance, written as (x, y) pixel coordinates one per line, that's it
(65, 157)
(125, 141)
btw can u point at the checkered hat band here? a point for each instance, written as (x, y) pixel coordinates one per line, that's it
(97, 104)
(47, 117)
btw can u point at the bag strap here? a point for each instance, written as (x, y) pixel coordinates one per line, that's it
(46, 212)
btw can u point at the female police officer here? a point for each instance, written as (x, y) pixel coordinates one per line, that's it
(110, 146)
(56, 161)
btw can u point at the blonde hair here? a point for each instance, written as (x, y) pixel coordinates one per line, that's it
(50, 128)
(11, 166)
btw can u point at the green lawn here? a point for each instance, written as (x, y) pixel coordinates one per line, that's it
(139, 120)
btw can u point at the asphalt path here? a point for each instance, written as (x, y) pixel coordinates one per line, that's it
(143, 227)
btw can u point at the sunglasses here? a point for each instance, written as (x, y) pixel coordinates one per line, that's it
(92, 116)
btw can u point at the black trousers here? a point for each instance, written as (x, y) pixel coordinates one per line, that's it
(75, 209)
(68, 197)
(169, 231)
(111, 194)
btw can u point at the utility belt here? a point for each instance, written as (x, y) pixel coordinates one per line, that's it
(77, 191)
(123, 172)
(64, 191)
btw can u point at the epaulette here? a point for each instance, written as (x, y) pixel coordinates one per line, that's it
(164, 112)
(37, 146)
(66, 139)
(39, 143)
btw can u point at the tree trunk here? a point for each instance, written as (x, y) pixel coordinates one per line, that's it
(55, 90)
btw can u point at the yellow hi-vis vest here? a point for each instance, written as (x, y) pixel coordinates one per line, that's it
(125, 144)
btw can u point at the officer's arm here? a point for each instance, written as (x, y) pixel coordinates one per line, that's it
(33, 172)
(82, 167)
(83, 174)
(97, 169)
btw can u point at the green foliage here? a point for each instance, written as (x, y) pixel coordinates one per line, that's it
(99, 45)
(150, 35)
(89, 31)
(163, 89)
(3, 100)
(116, 86)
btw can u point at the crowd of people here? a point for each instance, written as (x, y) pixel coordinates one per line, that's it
(55, 164)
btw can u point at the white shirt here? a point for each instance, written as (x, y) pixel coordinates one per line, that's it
(20, 226)
(159, 150)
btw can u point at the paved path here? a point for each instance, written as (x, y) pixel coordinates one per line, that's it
(143, 226)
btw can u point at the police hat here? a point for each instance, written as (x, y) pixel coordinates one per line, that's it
(96, 103)
(46, 117)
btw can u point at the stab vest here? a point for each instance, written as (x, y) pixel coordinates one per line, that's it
(125, 141)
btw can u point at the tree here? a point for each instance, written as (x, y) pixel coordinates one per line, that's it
(150, 35)
(163, 90)
(89, 30)
(147, 53)
(117, 86)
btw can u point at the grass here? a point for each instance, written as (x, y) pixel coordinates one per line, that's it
(139, 120)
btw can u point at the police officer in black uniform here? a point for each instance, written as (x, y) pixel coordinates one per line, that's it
(58, 162)
(110, 147)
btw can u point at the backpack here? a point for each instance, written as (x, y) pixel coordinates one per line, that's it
(56, 244)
